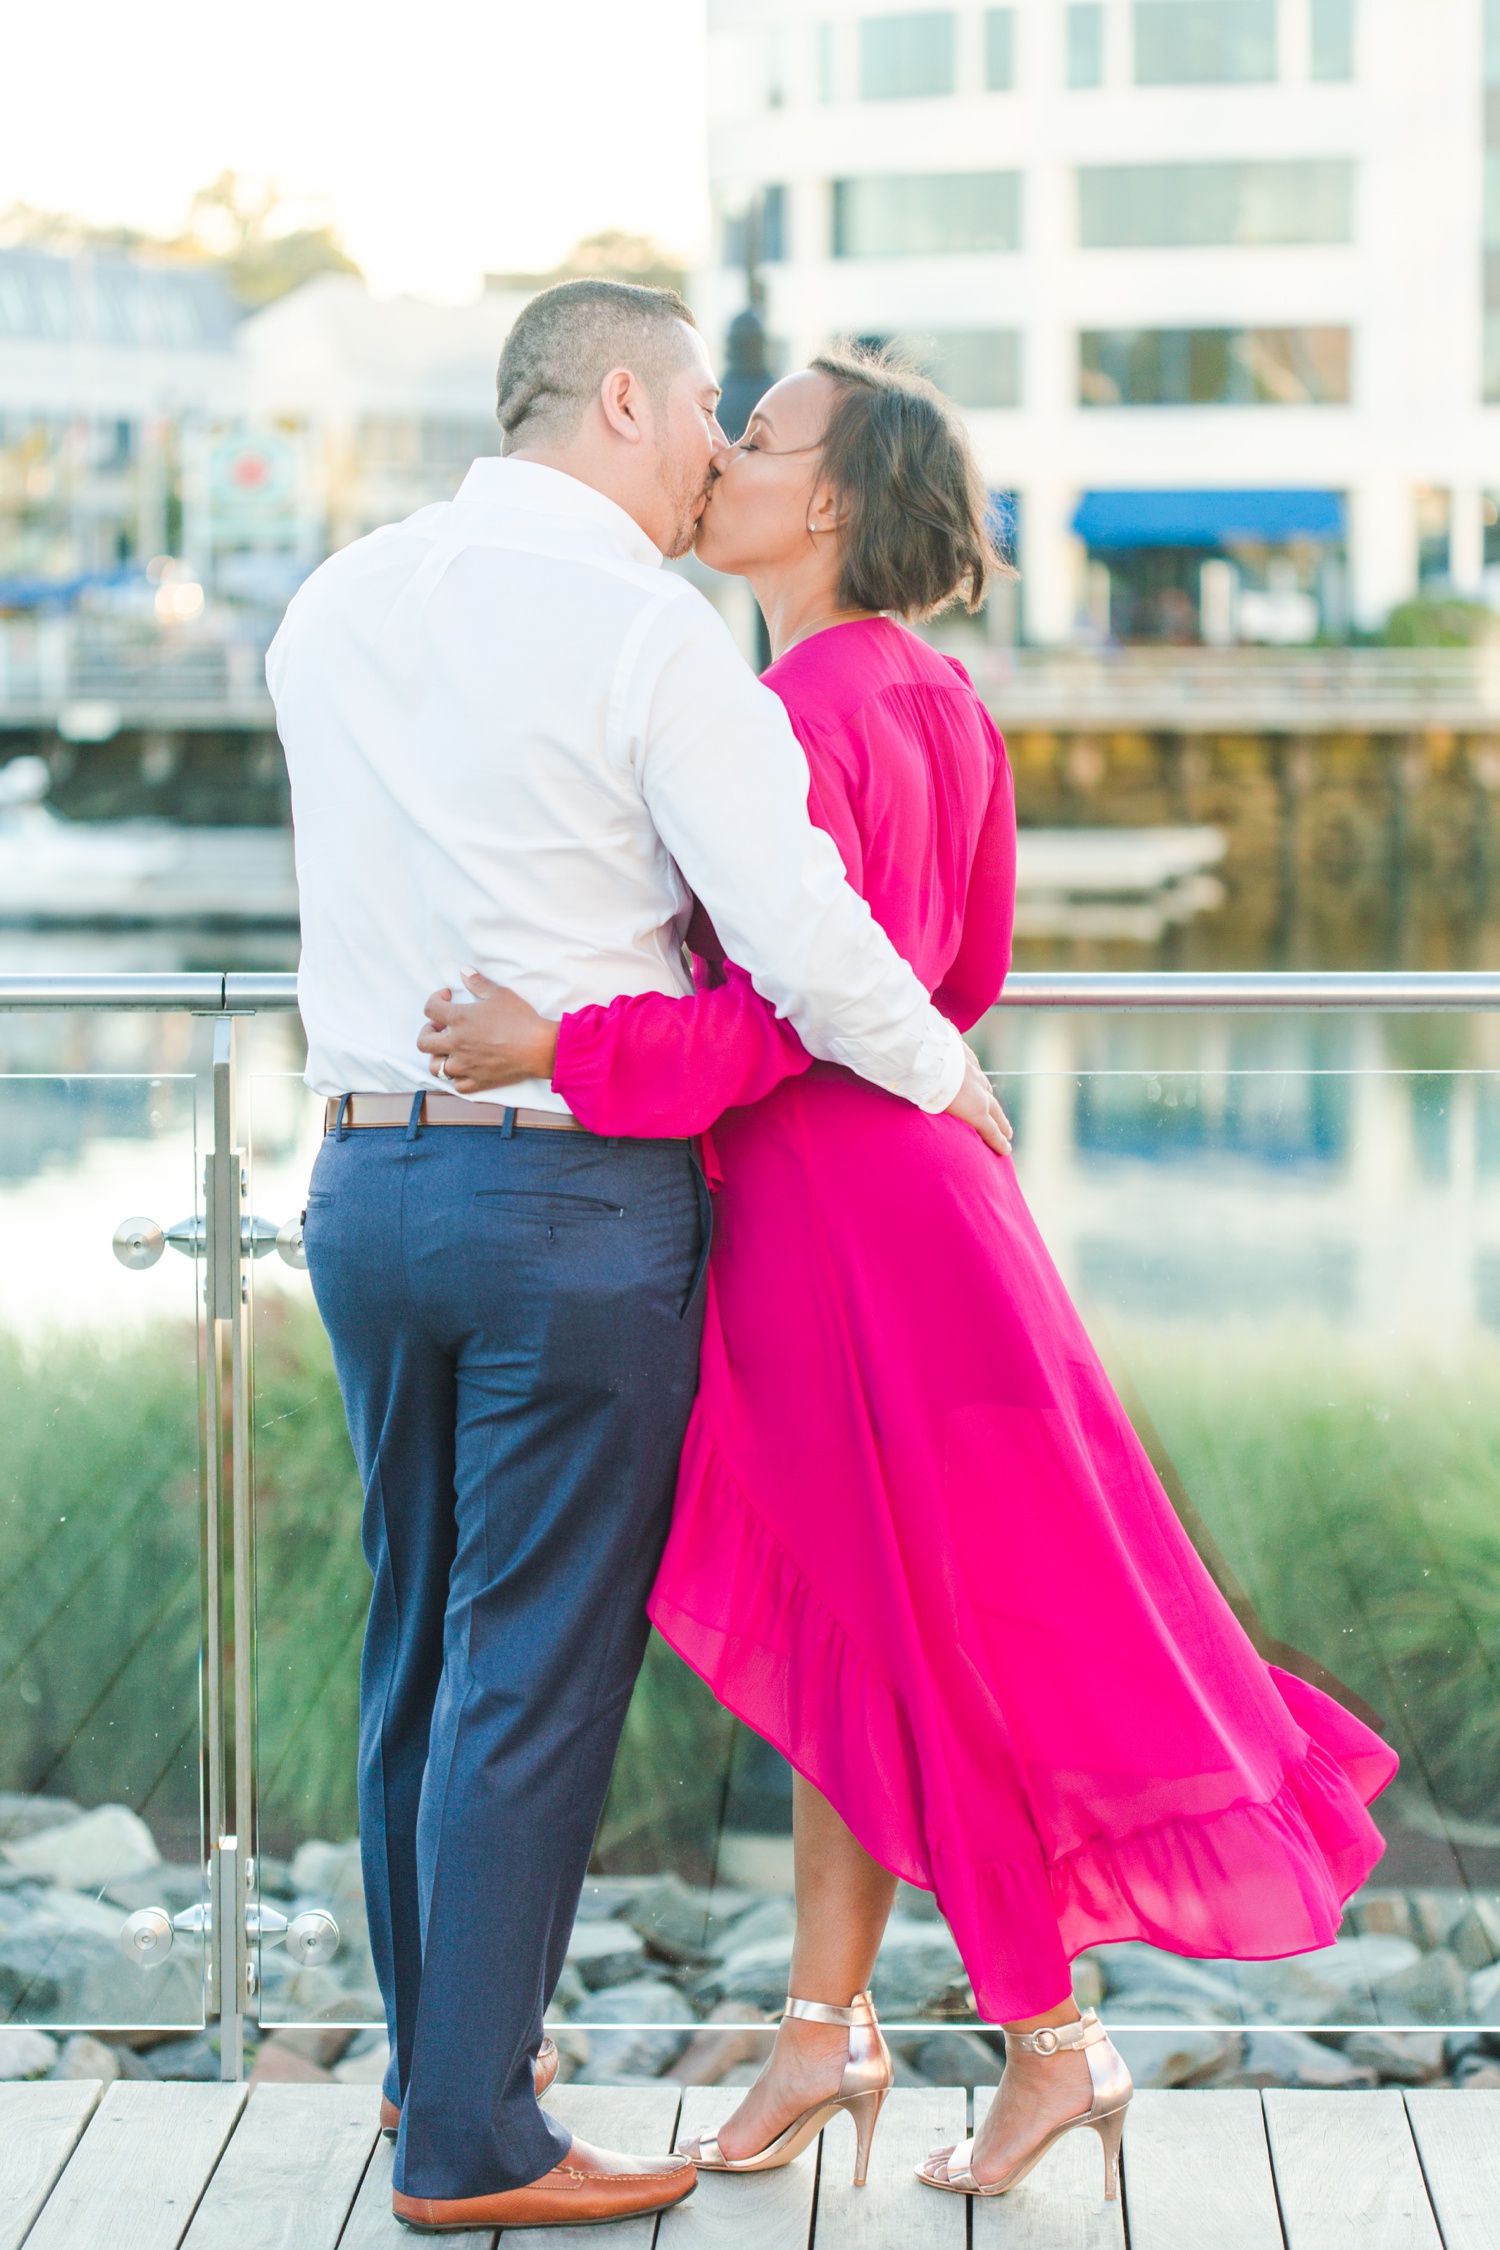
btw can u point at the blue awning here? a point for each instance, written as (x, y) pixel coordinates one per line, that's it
(1207, 519)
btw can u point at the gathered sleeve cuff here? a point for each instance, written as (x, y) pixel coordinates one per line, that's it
(652, 1067)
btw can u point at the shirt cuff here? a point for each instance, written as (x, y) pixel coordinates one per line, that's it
(950, 1067)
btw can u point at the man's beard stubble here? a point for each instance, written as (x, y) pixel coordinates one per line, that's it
(687, 508)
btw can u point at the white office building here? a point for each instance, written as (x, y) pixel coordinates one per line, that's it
(1209, 278)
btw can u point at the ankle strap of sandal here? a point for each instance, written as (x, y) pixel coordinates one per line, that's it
(820, 2011)
(1056, 2038)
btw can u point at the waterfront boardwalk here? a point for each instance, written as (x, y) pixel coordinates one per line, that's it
(300, 2167)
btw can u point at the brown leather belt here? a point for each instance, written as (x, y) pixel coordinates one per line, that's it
(361, 1110)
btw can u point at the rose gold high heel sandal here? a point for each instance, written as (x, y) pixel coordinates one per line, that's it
(1105, 2114)
(862, 2090)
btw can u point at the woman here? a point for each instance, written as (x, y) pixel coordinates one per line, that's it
(917, 1544)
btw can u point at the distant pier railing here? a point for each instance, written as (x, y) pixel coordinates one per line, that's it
(89, 685)
(1391, 992)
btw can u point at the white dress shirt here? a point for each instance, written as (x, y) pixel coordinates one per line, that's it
(516, 744)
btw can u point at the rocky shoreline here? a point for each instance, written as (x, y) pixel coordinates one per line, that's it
(666, 1981)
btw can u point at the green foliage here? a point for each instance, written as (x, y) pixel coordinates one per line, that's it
(1357, 1501)
(1438, 622)
(1358, 1505)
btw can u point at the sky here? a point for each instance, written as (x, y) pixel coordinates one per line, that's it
(443, 138)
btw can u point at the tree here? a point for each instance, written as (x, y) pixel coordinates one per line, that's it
(239, 228)
(610, 255)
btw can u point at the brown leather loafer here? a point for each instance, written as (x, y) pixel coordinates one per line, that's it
(543, 2071)
(594, 2186)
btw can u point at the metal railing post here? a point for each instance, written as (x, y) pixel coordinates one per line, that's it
(230, 1715)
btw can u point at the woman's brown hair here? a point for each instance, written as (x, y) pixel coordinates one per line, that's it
(915, 534)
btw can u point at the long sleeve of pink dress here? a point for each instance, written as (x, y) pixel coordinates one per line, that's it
(917, 1544)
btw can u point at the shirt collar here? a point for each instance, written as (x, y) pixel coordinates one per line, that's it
(494, 483)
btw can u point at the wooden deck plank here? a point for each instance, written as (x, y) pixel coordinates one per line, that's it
(1190, 2154)
(639, 2120)
(1458, 2140)
(136, 2176)
(290, 2175)
(40, 2126)
(1061, 2206)
(1347, 2172)
(895, 2212)
(371, 2224)
(757, 2211)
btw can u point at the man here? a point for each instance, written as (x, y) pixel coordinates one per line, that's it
(514, 743)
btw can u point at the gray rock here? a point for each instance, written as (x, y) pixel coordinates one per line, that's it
(917, 1906)
(25, 2053)
(1179, 2058)
(758, 1974)
(83, 1854)
(173, 1887)
(1275, 2057)
(951, 2058)
(1379, 1913)
(634, 2051)
(683, 1924)
(1475, 1938)
(606, 1953)
(1335, 1984)
(1477, 2072)
(328, 1873)
(1436, 1915)
(1399, 2058)
(27, 1816)
(774, 1918)
(605, 1896)
(917, 1968)
(1142, 1976)
(1433, 1990)
(571, 1994)
(1484, 1996)
(193, 2059)
(83, 2056)
(51, 1970)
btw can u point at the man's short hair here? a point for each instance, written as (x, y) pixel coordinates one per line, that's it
(566, 342)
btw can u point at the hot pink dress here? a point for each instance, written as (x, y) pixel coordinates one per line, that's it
(917, 1544)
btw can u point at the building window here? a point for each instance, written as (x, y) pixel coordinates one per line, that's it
(904, 56)
(773, 225)
(1204, 42)
(1332, 39)
(999, 50)
(1170, 206)
(827, 63)
(1085, 33)
(1434, 535)
(926, 214)
(1213, 367)
(976, 367)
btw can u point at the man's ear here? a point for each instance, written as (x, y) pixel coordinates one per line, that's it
(625, 406)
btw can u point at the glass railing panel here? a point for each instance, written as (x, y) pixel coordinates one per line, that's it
(1289, 1270)
(101, 1599)
(312, 1590)
(1285, 1241)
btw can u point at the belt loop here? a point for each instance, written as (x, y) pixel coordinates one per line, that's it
(340, 1129)
(507, 1130)
(414, 1122)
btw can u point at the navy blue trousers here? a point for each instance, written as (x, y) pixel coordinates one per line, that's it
(515, 1320)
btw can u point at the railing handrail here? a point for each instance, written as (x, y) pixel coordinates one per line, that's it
(1394, 991)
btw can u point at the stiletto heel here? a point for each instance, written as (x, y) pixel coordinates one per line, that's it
(1105, 2114)
(865, 2110)
(1111, 2131)
(868, 2077)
